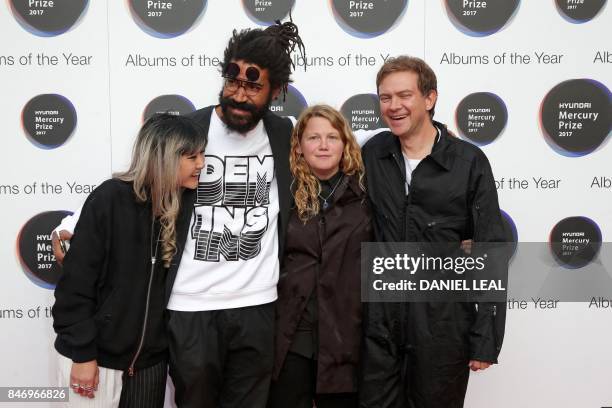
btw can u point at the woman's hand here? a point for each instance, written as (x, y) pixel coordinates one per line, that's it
(59, 247)
(84, 378)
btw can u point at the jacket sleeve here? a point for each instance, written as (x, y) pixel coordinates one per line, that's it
(487, 332)
(69, 222)
(76, 291)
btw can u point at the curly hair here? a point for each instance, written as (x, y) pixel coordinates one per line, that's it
(270, 49)
(305, 183)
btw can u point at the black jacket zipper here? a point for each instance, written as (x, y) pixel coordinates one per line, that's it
(131, 369)
(494, 313)
(408, 195)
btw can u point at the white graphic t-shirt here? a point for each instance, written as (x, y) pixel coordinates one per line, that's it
(230, 257)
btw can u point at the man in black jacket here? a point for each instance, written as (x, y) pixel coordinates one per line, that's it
(426, 186)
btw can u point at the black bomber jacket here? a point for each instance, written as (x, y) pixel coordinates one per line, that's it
(452, 197)
(101, 296)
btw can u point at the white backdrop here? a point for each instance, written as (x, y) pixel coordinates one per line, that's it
(557, 357)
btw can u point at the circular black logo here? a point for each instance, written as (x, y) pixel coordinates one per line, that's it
(368, 18)
(481, 117)
(267, 11)
(47, 18)
(173, 104)
(34, 248)
(575, 241)
(166, 19)
(576, 116)
(49, 120)
(579, 11)
(293, 104)
(362, 112)
(480, 18)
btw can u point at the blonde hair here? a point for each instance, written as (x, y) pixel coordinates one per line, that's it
(156, 155)
(307, 187)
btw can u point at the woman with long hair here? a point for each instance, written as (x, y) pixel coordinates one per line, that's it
(318, 328)
(110, 300)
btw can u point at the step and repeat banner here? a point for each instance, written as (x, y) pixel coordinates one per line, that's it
(527, 81)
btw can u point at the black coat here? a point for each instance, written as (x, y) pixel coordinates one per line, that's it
(323, 255)
(427, 346)
(101, 295)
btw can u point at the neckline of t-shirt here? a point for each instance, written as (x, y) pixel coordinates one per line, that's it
(437, 139)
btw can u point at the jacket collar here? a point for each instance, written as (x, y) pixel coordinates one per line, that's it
(350, 183)
(441, 152)
(353, 184)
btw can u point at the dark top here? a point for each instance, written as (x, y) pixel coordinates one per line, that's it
(306, 340)
(322, 257)
(101, 296)
(452, 197)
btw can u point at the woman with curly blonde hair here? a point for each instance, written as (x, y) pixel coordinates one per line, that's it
(319, 307)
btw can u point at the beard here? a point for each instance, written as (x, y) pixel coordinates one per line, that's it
(242, 124)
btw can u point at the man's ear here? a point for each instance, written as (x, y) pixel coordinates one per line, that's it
(430, 99)
(276, 92)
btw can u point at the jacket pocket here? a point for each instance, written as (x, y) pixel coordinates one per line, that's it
(476, 215)
(104, 315)
(445, 229)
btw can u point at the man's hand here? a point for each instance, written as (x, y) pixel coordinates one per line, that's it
(476, 365)
(466, 246)
(84, 378)
(58, 251)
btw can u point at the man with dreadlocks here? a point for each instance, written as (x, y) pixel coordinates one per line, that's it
(221, 320)
(231, 231)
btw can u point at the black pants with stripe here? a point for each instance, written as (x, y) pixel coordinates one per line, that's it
(222, 358)
(146, 389)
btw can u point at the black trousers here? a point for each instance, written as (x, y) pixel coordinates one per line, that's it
(296, 387)
(222, 358)
(435, 377)
(398, 374)
(146, 388)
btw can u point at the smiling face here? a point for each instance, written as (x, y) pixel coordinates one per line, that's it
(322, 146)
(190, 166)
(402, 105)
(244, 102)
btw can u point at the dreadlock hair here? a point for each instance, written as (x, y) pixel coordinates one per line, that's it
(270, 49)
